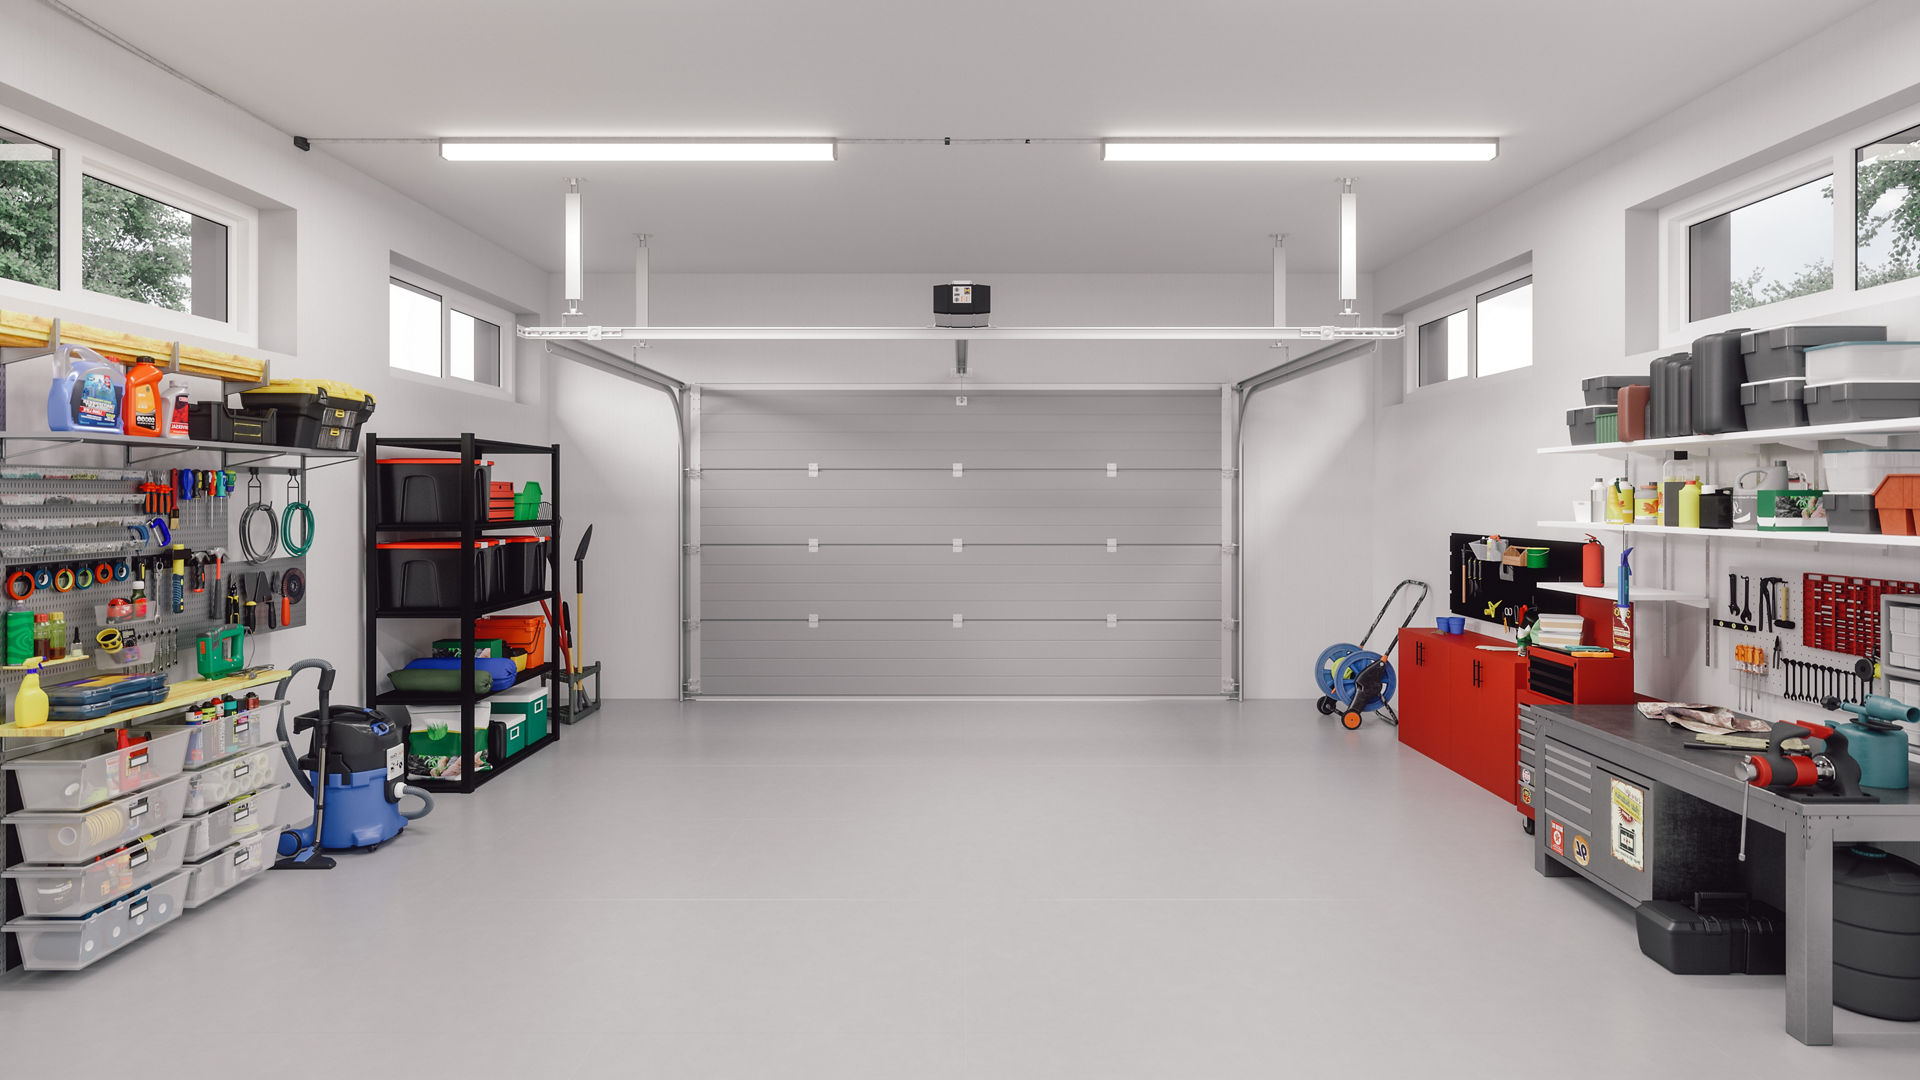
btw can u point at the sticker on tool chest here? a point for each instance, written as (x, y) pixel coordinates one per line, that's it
(1582, 851)
(1556, 838)
(1629, 825)
(1526, 796)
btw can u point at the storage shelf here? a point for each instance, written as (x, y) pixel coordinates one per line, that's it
(163, 447)
(457, 787)
(1638, 594)
(454, 697)
(179, 696)
(480, 446)
(454, 612)
(45, 664)
(1867, 429)
(1864, 539)
(482, 527)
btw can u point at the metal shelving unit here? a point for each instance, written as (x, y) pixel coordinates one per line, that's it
(470, 450)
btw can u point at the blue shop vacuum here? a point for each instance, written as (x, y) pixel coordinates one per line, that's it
(363, 757)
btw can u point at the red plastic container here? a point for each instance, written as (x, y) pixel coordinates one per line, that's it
(1632, 412)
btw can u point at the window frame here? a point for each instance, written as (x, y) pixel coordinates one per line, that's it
(1464, 298)
(79, 158)
(1836, 157)
(453, 298)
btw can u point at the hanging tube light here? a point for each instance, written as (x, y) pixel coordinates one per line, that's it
(1349, 249)
(573, 286)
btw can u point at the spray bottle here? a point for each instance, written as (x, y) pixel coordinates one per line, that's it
(30, 703)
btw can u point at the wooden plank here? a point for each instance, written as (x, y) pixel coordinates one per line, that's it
(20, 329)
(179, 696)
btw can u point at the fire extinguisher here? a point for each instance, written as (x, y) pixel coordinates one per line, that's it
(1593, 563)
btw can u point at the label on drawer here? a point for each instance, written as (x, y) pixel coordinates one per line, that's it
(138, 858)
(242, 811)
(138, 909)
(241, 727)
(137, 810)
(242, 769)
(1629, 825)
(242, 856)
(136, 759)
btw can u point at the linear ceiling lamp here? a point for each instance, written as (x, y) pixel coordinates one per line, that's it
(571, 268)
(637, 149)
(1299, 149)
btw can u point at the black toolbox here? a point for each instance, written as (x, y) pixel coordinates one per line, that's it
(214, 421)
(1719, 934)
(318, 414)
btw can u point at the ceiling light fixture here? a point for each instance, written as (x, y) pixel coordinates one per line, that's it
(571, 268)
(1349, 248)
(637, 149)
(1299, 149)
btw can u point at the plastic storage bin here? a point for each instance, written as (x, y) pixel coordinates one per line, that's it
(1633, 407)
(231, 865)
(82, 834)
(1776, 403)
(245, 816)
(1581, 423)
(1849, 402)
(1862, 470)
(1719, 370)
(1794, 510)
(529, 704)
(1851, 512)
(417, 574)
(228, 735)
(527, 633)
(1864, 361)
(426, 491)
(1605, 389)
(60, 892)
(432, 753)
(71, 944)
(224, 781)
(93, 771)
(523, 563)
(1781, 352)
(320, 414)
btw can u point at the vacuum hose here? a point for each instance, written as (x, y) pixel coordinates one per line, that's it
(280, 691)
(402, 791)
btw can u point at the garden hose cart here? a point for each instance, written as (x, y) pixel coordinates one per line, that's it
(1354, 680)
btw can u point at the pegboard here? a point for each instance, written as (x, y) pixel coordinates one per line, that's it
(1789, 669)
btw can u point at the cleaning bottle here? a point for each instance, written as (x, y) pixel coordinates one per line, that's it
(57, 636)
(1689, 500)
(30, 702)
(42, 635)
(141, 413)
(86, 392)
(177, 401)
(1597, 500)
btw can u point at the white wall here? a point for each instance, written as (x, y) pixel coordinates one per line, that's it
(1460, 457)
(347, 227)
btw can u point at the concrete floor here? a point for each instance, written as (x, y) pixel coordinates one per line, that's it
(931, 890)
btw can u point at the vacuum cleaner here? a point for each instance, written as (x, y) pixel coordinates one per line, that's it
(362, 757)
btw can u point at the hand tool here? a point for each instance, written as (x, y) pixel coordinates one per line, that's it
(293, 590)
(233, 601)
(1825, 772)
(273, 602)
(250, 602)
(1733, 594)
(179, 578)
(1746, 609)
(185, 485)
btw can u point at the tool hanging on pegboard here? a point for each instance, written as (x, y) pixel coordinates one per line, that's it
(1843, 613)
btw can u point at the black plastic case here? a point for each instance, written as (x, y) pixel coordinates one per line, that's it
(1746, 939)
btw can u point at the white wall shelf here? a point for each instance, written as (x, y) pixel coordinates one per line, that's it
(1869, 431)
(1862, 539)
(1637, 595)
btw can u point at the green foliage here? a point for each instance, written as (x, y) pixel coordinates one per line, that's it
(1748, 292)
(135, 247)
(1900, 222)
(29, 222)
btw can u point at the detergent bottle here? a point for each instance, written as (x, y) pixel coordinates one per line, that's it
(86, 392)
(140, 412)
(176, 402)
(30, 702)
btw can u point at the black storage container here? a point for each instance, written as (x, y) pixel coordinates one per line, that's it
(319, 414)
(1846, 403)
(1719, 371)
(1781, 353)
(1720, 934)
(1876, 934)
(1605, 389)
(1851, 512)
(1580, 423)
(524, 565)
(1716, 508)
(213, 421)
(426, 491)
(1670, 414)
(1776, 403)
(419, 574)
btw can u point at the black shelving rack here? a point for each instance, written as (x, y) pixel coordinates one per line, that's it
(470, 527)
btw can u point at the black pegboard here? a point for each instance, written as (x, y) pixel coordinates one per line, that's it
(1474, 584)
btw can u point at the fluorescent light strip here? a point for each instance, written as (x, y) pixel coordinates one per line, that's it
(1299, 149)
(636, 150)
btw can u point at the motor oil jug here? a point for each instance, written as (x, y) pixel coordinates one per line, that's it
(140, 411)
(177, 401)
(86, 392)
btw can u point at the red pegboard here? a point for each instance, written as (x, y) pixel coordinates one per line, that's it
(1842, 614)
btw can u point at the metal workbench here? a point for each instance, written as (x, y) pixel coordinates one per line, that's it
(1620, 736)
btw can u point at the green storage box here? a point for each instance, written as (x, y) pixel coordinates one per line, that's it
(487, 648)
(526, 502)
(438, 756)
(507, 735)
(1606, 427)
(527, 707)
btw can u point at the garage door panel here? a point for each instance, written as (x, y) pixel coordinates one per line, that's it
(1067, 683)
(722, 403)
(950, 667)
(1170, 482)
(962, 596)
(997, 456)
(969, 422)
(1038, 630)
(959, 571)
(947, 519)
(973, 609)
(960, 494)
(719, 558)
(964, 646)
(1093, 535)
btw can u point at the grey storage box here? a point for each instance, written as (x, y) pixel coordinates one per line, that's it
(96, 770)
(228, 867)
(228, 735)
(1776, 403)
(1580, 423)
(1846, 403)
(1851, 512)
(243, 817)
(1605, 389)
(1781, 353)
(82, 834)
(71, 944)
(61, 892)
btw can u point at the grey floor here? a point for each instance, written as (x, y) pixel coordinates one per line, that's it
(930, 890)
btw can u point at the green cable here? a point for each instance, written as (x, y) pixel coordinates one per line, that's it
(286, 529)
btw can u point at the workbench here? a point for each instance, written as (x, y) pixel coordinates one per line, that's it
(1617, 736)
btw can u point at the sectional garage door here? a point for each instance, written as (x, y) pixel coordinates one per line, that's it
(865, 542)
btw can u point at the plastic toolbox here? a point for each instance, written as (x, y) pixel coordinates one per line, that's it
(231, 865)
(1605, 389)
(1781, 353)
(527, 502)
(59, 892)
(321, 414)
(1581, 423)
(79, 835)
(1851, 512)
(1776, 403)
(1863, 361)
(71, 944)
(215, 739)
(245, 816)
(1749, 939)
(213, 421)
(1847, 402)
(224, 781)
(101, 695)
(417, 574)
(415, 491)
(91, 771)
(1862, 470)
(523, 561)
(527, 633)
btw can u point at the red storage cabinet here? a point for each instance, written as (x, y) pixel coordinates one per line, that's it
(1458, 703)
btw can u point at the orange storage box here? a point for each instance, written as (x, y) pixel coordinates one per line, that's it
(527, 632)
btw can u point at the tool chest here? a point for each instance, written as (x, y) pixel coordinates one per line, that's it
(322, 414)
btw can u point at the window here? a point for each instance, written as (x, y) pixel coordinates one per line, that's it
(141, 249)
(1767, 251)
(438, 332)
(1481, 330)
(1886, 201)
(29, 211)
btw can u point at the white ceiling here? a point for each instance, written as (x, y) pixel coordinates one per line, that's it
(1554, 81)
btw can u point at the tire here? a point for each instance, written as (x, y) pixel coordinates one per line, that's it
(1350, 720)
(1325, 705)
